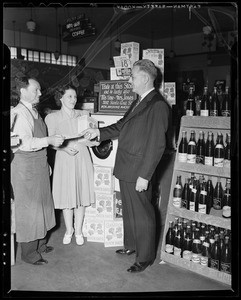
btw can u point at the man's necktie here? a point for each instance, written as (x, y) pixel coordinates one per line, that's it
(138, 101)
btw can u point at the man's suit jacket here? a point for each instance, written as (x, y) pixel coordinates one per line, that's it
(141, 138)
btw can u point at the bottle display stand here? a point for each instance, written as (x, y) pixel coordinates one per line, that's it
(214, 124)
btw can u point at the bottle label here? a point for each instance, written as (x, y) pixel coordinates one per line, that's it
(204, 261)
(226, 113)
(189, 113)
(202, 208)
(226, 163)
(169, 248)
(192, 206)
(214, 264)
(177, 201)
(204, 193)
(196, 258)
(184, 203)
(177, 251)
(208, 160)
(204, 112)
(187, 254)
(191, 158)
(227, 211)
(225, 267)
(218, 162)
(182, 157)
(219, 146)
(217, 203)
(199, 159)
(214, 113)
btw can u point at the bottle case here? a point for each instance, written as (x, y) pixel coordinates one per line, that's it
(213, 218)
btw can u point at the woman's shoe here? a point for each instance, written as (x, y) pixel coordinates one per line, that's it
(67, 238)
(79, 239)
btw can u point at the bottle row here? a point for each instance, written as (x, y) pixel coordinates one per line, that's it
(200, 195)
(211, 105)
(204, 151)
(200, 243)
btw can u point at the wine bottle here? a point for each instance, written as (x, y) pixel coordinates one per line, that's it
(202, 199)
(196, 250)
(200, 155)
(177, 193)
(226, 104)
(205, 103)
(191, 105)
(210, 190)
(177, 242)
(219, 151)
(193, 202)
(226, 200)
(185, 194)
(214, 105)
(202, 235)
(209, 150)
(227, 152)
(218, 195)
(187, 245)
(182, 148)
(169, 239)
(175, 227)
(205, 257)
(215, 254)
(225, 261)
(191, 149)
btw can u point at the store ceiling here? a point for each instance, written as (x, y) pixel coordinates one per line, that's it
(134, 20)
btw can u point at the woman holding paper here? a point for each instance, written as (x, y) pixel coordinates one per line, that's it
(73, 188)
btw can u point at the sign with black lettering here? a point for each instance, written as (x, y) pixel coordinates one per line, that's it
(115, 96)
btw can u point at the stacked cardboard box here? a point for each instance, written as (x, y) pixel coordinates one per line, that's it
(103, 222)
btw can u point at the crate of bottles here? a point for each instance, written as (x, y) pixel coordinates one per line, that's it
(201, 193)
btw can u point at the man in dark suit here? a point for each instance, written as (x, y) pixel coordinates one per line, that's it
(141, 137)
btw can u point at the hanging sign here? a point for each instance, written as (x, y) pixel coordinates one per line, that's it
(77, 27)
(115, 96)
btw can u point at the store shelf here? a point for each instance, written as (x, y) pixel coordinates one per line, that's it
(206, 122)
(197, 268)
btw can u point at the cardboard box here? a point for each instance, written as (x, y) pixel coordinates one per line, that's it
(170, 92)
(105, 205)
(118, 205)
(103, 179)
(114, 233)
(122, 61)
(90, 211)
(131, 50)
(95, 229)
(120, 73)
(85, 122)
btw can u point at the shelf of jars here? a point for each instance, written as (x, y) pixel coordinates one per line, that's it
(201, 195)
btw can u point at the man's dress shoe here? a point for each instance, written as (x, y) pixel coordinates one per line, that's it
(125, 251)
(139, 266)
(41, 261)
(48, 249)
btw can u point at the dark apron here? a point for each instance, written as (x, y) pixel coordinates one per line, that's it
(34, 209)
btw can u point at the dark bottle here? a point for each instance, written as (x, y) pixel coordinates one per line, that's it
(209, 150)
(214, 105)
(175, 227)
(218, 195)
(185, 194)
(182, 148)
(219, 151)
(226, 104)
(210, 190)
(226, 201)
(205, 257)
(227, 152)
(202, 235)
(192, 149)
(177, 192)
(187, 244)
(202, 199)
(221, 241)
(191, 104)
(200, 155)
(193, 202)
(215, 254)
(177, 242)
(169, 239)
(225, 260)
(184, 230)
(205, 103)
(196, 250)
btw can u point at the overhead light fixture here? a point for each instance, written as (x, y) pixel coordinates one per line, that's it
(31, 25)
(117, 45)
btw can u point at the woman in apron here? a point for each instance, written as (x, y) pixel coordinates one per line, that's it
(34, 209)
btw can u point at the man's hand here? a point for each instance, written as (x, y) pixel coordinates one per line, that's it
(55, 140)
(141, 184)
(90, 133)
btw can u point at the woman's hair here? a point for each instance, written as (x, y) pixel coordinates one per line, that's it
(147, 66)
(60, 91)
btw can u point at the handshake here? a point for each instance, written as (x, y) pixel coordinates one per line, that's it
(92, 135)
